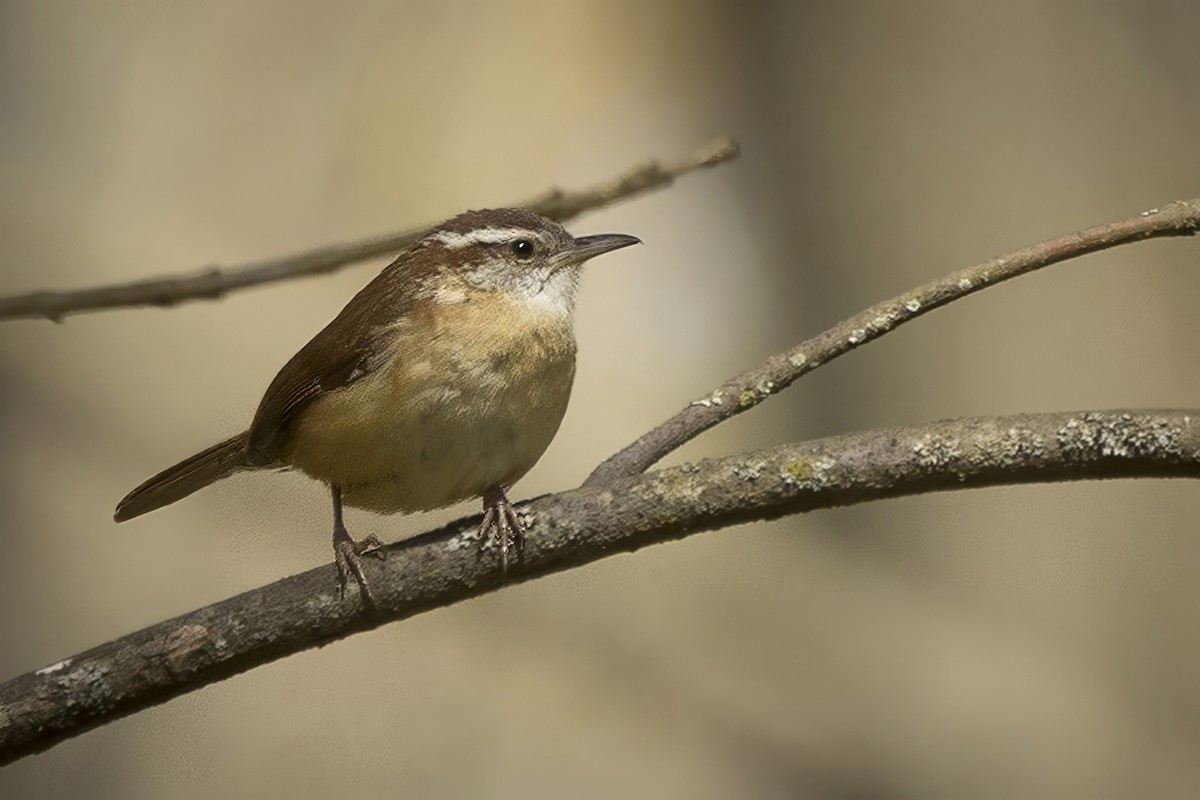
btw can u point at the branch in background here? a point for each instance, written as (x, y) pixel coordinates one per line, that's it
(747, 390)
(215, 282)
(42, 708)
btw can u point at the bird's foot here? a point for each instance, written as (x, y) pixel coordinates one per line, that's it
(500, 516)
(347, 554)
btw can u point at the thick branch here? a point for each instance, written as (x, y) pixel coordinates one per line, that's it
(215, 282)
(439, 568)
(747, 390)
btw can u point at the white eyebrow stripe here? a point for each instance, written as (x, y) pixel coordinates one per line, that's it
(454, 241)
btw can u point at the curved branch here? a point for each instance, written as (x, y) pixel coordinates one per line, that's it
(743, 392)
(42, 708)
(215, 282)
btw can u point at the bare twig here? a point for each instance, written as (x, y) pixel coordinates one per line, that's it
(42, 708)
(747, 390)
(215, 282)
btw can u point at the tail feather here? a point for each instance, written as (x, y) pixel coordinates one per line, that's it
(177, 482)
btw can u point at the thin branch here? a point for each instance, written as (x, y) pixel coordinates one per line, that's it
(42, 708)
(215, 282)
(747, 390)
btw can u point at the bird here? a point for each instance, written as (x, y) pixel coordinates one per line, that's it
(444, 379)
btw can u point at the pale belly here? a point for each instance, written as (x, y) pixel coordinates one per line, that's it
(444, 424)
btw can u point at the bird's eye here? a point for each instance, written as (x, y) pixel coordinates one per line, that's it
(522, 249)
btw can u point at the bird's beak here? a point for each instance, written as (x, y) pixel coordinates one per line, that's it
(588, 247)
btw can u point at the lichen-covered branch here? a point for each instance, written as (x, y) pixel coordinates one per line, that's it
(747, 390)
(42, 708)
(215, 282)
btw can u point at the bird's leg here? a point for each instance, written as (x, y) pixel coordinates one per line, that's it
(499, 514)
(347, 552)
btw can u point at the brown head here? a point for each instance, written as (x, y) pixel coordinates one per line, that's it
(512, 251)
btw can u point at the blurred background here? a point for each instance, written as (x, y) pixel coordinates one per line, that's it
(1026, 642)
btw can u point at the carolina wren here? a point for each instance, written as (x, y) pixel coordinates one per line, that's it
(445, 378)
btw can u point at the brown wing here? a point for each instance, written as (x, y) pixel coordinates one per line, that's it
(354, 344)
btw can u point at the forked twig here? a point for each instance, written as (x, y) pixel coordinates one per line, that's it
(745, 391)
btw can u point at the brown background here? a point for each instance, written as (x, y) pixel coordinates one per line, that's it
(1032, 642)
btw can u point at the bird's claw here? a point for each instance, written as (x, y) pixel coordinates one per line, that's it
(500, 516)
(348, 556)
